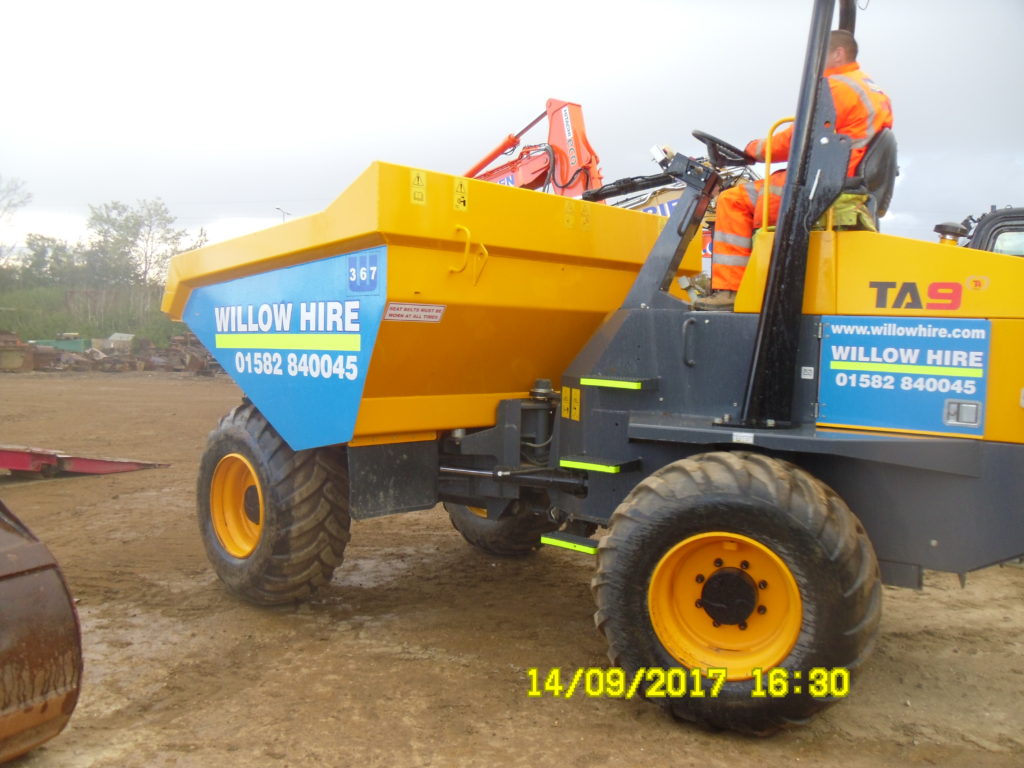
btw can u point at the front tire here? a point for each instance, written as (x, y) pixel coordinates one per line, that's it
(740, 562)
(274, 521)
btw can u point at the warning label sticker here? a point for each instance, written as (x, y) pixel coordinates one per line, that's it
(417, 187)
(461, 195)
(414, 313)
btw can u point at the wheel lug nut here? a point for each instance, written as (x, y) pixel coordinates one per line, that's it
(762, 584)
(719, 562)
(743, 625)
(744, 565)
(716, 624)
(762, 610)
(700, 578)
(700, 603)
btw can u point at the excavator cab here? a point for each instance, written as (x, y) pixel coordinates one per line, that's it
(999, 231)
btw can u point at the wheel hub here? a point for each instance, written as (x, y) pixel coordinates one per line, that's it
(722, 599)
(251, 504)
(729, 596)
(236, 505)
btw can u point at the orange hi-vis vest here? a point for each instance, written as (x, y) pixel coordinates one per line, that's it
(862, 110)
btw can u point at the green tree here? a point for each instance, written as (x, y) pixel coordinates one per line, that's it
(13, 196)
(114, 230)
(132, 244)
(49, 260)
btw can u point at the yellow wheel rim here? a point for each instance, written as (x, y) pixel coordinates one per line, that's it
(236, 505)
(724, 600)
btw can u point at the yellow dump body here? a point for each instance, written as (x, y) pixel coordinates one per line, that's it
(488, 288)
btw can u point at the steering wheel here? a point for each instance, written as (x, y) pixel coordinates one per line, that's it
(723, 154)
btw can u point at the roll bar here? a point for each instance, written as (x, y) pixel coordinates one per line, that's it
(817, 169)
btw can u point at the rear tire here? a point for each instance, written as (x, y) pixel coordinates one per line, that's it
(515, 534)
(274, 521)
(737, 561)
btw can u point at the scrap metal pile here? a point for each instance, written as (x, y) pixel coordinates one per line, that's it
(113, 355)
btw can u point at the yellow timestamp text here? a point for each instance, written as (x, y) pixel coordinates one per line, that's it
(616, 683)
(679, 682)
(817, 682)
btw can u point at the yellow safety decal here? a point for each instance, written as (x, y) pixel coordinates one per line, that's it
(418, 186)
(328, 342)
(568, 545)
(570, 213)
(932, 370)
(611, 383)
(574, 413)
(610, 469)
(461, 194)
(566, 402)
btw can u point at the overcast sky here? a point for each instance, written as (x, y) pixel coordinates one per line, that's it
(229, 111)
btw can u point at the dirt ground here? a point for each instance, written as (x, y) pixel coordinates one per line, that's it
(417, 654)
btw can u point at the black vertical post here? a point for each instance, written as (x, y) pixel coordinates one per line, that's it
(848, 15)
(770, 385)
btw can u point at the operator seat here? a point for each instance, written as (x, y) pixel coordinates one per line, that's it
(876, 173)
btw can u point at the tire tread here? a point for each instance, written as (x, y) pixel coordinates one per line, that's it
(306, 503)
(780, 484)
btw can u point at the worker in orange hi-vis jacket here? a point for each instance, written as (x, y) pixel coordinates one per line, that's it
(862, 110)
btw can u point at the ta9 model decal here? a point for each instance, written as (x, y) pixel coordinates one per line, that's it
(893, 295)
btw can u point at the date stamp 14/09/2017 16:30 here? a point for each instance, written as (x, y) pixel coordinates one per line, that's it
(677, 682)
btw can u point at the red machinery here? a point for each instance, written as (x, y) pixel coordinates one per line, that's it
(565, 165)
(27, 462)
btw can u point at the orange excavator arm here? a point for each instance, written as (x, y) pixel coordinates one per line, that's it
(565, 165)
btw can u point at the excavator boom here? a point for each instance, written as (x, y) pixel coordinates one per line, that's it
(565, 165)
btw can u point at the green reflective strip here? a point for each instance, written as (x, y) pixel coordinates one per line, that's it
(609, 468)
(928, 370)
(328, 342)
(612, 383)
(568, 545)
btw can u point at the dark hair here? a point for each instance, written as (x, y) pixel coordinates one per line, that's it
(840, 38)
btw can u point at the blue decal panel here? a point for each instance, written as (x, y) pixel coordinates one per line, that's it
(914, 374)
(298, 340)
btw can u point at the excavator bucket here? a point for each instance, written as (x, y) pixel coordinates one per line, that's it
(40, 642)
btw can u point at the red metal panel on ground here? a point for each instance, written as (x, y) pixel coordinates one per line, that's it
(85, 466)
(26, 459)
(46, 462)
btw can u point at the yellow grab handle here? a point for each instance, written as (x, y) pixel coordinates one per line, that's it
(768, 167)
(480, 259)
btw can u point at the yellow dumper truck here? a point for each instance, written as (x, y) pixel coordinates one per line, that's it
(746, 480)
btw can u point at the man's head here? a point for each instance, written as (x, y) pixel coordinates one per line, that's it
(842, 49)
